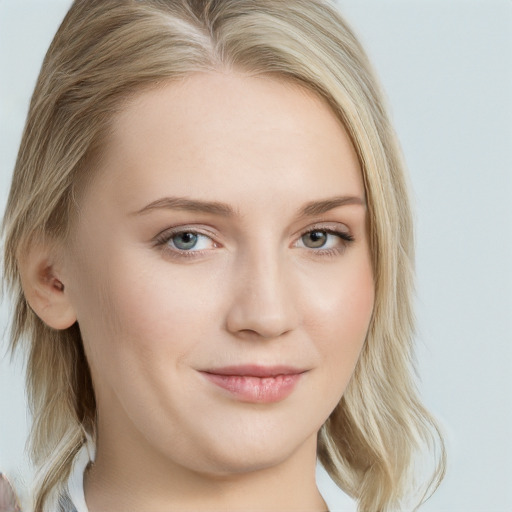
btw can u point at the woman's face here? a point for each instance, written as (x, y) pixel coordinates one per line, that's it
(221, 274)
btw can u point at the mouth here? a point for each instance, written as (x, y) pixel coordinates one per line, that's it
(254, 383)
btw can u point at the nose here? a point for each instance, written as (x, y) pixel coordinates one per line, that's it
(263, 305)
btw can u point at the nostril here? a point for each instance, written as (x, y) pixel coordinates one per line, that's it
(259, 335)
(258, 324)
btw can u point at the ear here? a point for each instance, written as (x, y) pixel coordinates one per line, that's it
(44, 286)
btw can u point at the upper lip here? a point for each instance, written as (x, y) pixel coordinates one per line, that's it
(254, 370)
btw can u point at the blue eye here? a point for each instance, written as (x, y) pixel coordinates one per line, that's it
(189, 241)
(184, 241)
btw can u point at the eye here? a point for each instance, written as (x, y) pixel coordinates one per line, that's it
(325, 239)
(315, 239)
(186, 241)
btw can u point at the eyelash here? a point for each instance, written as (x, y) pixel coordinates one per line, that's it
(163, 239)
(345, 238)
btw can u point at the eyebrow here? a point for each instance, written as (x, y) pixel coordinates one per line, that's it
(191, 205)
(318, 207)
(310, 209)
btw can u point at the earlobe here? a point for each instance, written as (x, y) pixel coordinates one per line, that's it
(44, 288)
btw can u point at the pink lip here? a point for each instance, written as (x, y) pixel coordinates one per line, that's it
(257, 384)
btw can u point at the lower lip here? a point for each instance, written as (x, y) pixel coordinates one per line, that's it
(256, 389)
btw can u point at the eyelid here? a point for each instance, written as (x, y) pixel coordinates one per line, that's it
(329, 227)
(170, 231)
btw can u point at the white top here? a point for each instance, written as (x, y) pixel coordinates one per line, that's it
(336, 499)
(75, 486)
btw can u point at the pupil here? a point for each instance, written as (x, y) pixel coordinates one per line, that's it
(315, 239)
(185, 240)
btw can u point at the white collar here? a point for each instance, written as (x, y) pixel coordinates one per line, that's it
(75, 485)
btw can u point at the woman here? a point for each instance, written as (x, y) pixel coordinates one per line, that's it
(209, 241)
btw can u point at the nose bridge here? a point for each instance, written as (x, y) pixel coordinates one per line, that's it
(263, 302)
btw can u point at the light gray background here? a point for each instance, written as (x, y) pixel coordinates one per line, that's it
(446, 67)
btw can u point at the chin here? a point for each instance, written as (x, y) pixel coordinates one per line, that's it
(236, 463)
(225, 457)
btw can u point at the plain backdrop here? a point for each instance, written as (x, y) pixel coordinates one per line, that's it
(446, 67)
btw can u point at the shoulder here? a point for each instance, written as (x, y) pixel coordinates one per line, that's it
(8, 498)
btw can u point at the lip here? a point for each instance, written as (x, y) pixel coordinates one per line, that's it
(255, 383)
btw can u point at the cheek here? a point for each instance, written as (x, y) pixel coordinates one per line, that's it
(339, 317)
(138, 312)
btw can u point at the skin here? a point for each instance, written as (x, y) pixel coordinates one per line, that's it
(254, 290)
(8, 500)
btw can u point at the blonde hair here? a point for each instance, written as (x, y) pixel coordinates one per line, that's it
(106, 51)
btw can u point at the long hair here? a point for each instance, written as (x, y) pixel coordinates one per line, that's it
(107, 50)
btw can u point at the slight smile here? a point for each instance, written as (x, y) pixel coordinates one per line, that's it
(254, 383)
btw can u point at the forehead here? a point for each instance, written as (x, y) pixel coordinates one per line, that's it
(228, 134)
